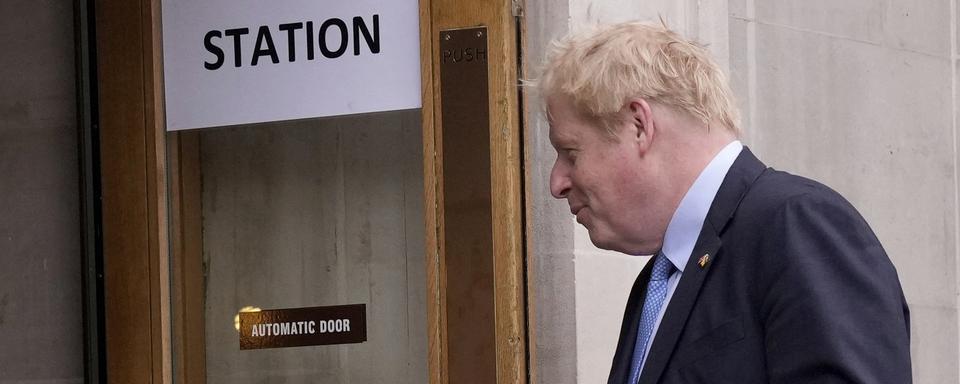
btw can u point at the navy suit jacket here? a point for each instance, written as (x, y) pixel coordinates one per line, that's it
(796, 289)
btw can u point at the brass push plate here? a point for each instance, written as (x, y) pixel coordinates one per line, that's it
(466, 193)
(464, 94)
(465, 150)
(465, 130)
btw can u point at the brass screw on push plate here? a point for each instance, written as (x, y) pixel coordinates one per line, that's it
(479, 33)
(446, 36)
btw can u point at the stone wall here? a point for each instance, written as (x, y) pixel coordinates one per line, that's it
(41, 322)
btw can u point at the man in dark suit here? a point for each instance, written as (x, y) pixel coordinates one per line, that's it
(758, 276)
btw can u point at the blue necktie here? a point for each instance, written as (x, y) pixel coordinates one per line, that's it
(656, 292)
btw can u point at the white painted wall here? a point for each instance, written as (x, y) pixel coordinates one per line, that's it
(859, 94)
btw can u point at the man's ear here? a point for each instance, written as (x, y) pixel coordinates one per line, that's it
(643, 126)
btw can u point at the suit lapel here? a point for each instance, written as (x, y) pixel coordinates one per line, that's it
(680, 305)
(742, 174)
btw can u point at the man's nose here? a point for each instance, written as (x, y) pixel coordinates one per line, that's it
(559, 181)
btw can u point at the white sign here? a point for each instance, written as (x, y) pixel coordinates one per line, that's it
(245, 61)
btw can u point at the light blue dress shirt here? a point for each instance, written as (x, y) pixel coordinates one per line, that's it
(684, 227)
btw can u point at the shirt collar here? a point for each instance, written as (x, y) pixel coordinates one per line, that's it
(687, 221)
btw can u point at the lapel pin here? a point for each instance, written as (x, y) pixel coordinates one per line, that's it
(704, 260)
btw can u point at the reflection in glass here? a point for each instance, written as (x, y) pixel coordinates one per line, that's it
(236, 319)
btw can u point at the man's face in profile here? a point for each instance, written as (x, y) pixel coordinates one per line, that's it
(605, 181)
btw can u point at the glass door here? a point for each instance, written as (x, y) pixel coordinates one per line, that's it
(314, 213)
(222, 239)
(296, 135)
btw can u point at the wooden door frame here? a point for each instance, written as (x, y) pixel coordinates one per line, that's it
(507, 210)
(152, 222)
(133, 185)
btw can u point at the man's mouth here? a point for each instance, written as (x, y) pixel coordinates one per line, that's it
(580, 213)
(575, 210)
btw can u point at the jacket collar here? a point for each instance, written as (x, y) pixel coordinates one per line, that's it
(691, 213)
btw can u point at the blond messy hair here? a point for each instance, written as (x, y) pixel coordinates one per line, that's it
(601, 70)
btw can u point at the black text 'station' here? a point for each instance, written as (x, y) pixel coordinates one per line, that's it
(331, 37)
